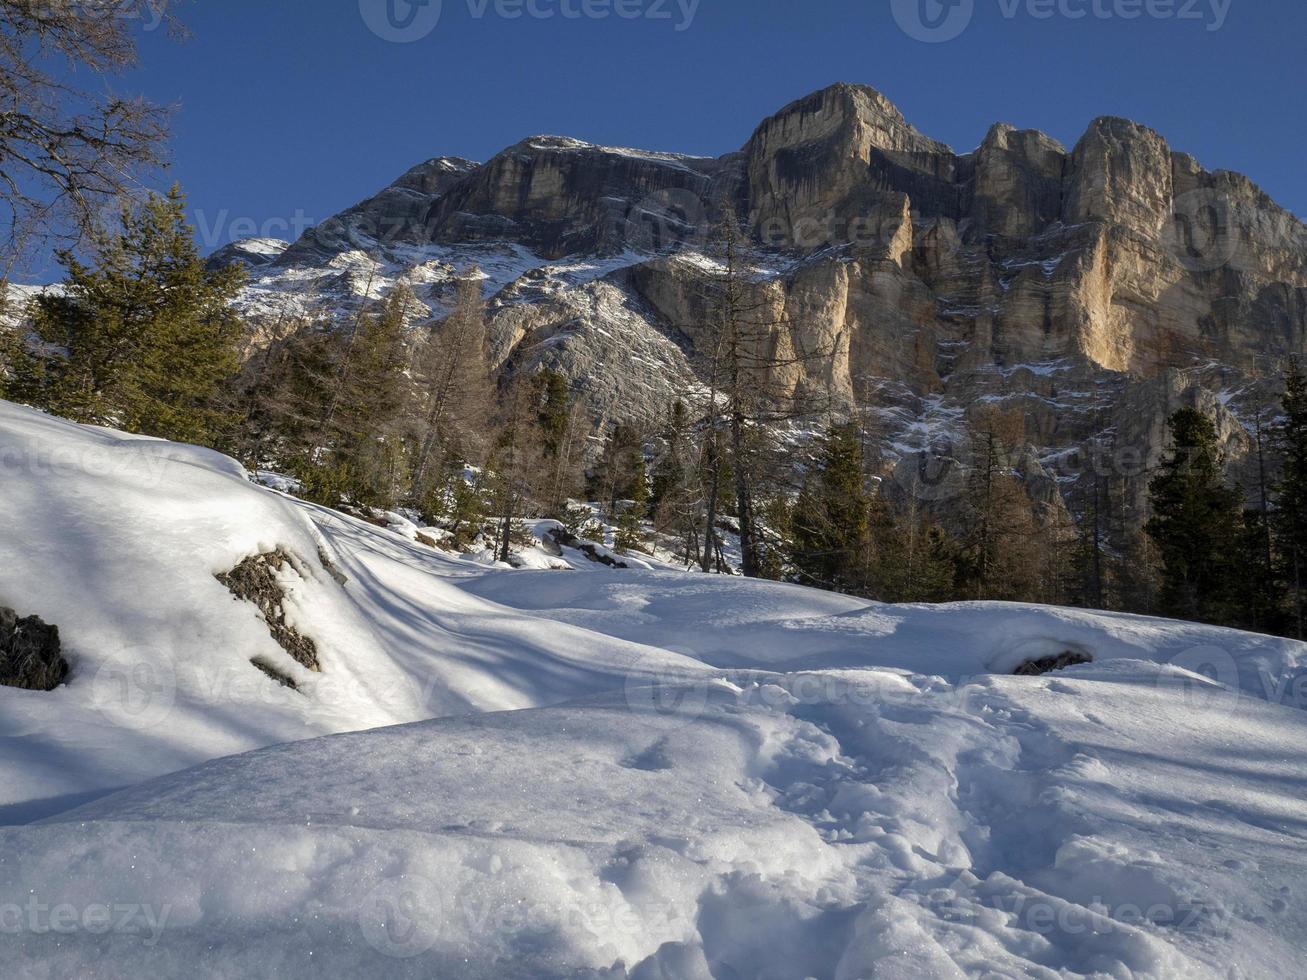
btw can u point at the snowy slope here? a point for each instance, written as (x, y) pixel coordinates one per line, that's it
(628, 773)
(116, 540)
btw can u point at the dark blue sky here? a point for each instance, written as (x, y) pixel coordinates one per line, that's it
(297, 107)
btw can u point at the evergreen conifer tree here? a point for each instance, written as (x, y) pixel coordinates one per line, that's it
(1196, 523)
(452, 393)
(832, 534)
(628, 532)
(364, 456)
(147, 333)
(1290, 520)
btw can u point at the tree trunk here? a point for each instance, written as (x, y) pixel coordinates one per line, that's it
(710, 521)
(750, 566)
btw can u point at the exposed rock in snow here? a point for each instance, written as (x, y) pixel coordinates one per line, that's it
(30, 653)
(562, 538)
(255, 580)
(1047, 665)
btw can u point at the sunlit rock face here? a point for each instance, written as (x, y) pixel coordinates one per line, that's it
(1091, 291)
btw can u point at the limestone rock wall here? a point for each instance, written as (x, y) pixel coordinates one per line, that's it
(1092, 290)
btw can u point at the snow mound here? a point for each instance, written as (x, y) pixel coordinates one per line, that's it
(603, 772)
(118, 540)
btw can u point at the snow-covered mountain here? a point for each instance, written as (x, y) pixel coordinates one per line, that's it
(1092, 291)
(639, 773)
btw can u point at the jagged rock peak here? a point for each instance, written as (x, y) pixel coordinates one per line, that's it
(435, 174)
(1002, 136)
(1119, 127)
(845, 106)
(845, 93)
(547, 143)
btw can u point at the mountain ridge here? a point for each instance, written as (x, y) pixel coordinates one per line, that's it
(879, 101)
(1090, 291)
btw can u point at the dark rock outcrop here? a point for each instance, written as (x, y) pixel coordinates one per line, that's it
(255, 580)
(331, 568)
(1047, 665)
(271, 672)
(31, 656)
(561, 538)
(562, 197)
(398, 214)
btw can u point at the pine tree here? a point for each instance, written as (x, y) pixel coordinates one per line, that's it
(516, 460)
(831, 520)
(555, 406)
(931, 565)
(1290, 524)
(1090, 561)
(629, 535)
(669, 467)
(677, 493)
(466, 510)
(149, 332)
(562, 425)
(614, 476)
(1000, 555)
(751, 363)
(363, 454)
(776, 531)
(281, 396)
(1133, 571)
(23, 375)
(931, 558)
(1137, 575)
(1260, 592)
(1195, 524)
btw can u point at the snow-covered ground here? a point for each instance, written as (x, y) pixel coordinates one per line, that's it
(604, 773)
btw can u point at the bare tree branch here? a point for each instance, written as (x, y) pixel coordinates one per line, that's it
(68, 145)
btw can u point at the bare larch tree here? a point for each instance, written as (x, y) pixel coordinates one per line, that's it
(67, 144)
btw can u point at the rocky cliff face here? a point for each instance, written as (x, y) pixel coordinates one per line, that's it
(1091, 291)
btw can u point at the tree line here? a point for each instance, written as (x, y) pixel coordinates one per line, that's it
(383, 409)
(370, 411)
(1228, 556)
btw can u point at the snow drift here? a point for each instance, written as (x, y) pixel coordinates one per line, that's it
(118, 541)
(604, 773)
